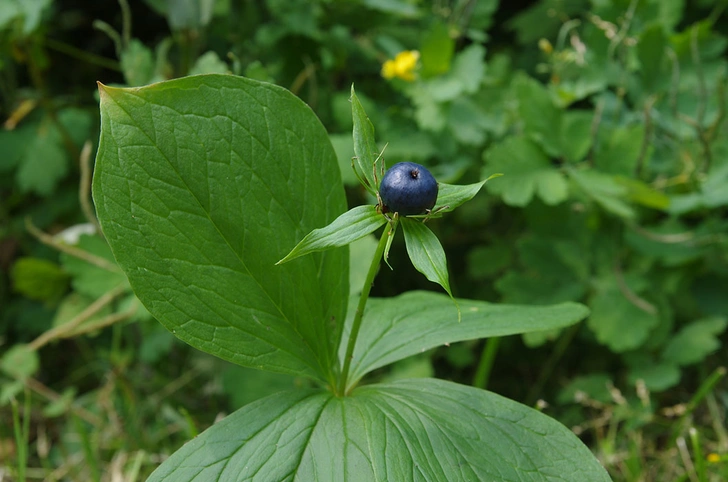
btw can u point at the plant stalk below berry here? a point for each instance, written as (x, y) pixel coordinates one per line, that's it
(341, 390)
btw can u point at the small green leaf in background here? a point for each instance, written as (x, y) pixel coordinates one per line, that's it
(712, 193)
(695, 341)
(641, 193)
(437, 50)
(526, 172)
(620, 149)
(554, 271)
(37, 151)
(89, 279)
(468, 122)
(486, 261)
(604, 190)
(657, 376)
(541, 117)
(595, 385)
(201, 185)
(20, 362)
(344, 146)
(576, 135)
(651, 54)
(350, 226)
(365, 147)
(137, 64)
(61, 405)
(617, 322)
(209, 63)
(39, 279)
(73, 305)
(469, 68)
(31, 11)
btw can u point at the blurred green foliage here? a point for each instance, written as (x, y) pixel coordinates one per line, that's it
(607, 118)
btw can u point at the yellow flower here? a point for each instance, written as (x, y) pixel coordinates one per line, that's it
(402, 66)
(713, 458)
(545, 46)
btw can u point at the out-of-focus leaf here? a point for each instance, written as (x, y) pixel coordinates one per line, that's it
(20, 362)
(541, 117)
(604, 190)
(39, 279)
(651, 54)
(658, 376)
(89, 279)
(137, 63)
(576, 137)
(695, 341)
(640, 193)
(617, 322)
(619, 151)
(344, 146)
(595, 385)
(526, 172)
(437, 50)
(30, 11)
(209, 63)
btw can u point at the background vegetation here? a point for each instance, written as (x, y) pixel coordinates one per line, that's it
(607, 118)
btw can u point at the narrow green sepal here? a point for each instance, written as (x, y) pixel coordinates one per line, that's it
(347, 228)
(427, 255)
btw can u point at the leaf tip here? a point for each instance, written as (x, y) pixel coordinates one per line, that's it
(102, 89)
(493, 176)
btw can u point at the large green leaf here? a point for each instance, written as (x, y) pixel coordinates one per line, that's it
(399, 327)
(406, 430)
(201, 185)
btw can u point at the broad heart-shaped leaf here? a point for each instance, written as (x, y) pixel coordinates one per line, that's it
(422, 429)
(201, 185)
(347, 228)
(365, 147)
(402, 326)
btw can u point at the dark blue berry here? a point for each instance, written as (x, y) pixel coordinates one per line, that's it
(408, 188)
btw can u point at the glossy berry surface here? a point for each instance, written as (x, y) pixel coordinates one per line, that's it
(408, 188)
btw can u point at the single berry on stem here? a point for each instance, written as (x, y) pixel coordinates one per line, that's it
(408, 188)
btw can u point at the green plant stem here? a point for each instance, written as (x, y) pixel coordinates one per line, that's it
(705, 388)
(356, 325)
(482, 374)
(559, 349)
(698, 454)
(22, 433)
